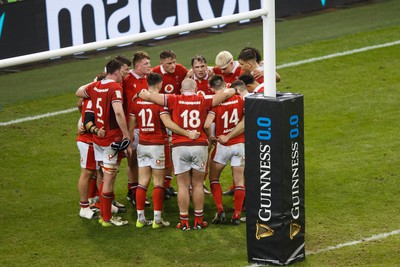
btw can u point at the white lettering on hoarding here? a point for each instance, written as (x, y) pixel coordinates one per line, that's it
(137, 15)
(74, 7)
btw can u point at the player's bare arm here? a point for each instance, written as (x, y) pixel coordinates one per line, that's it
(156, 98)
(90, 125)
(170, 124)
(131, 126)
(221, 97)
(207, 123)
(120, 116)
(81, 91)
(239, 128)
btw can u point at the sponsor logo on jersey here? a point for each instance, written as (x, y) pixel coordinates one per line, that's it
(169, 88)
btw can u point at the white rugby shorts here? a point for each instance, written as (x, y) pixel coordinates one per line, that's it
(87, 156)
(186, 158)
(151, 156)
(106, 154)
(234, 154)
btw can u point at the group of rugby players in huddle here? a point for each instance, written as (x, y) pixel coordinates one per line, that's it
(165, 120)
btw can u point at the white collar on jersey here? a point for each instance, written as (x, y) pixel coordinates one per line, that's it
(258, 88)
(204, 79)
(105, 81)
(188, 93)
(136, 75)
(235, 66)
(163, 70)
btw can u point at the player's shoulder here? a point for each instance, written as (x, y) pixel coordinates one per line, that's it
(181, 68)
(156, 69)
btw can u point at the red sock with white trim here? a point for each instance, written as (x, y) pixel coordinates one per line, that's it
(216, 191)
(238, 201)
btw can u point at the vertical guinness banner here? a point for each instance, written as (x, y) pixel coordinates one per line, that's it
(275, 214)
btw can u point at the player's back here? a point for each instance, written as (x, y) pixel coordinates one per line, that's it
(147, 114)
(102, 94)
(189, 111)
(227, 116)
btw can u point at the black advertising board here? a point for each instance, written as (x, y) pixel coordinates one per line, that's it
(274, 171)
(32, 26)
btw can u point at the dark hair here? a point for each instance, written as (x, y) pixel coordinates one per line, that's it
(250, 53)
(154, 79)
(100, 76)
(216, 82)
(239, 85)
(138, 56)
(167, 54)
(247, 78)
(199, 58)
(113, 65)
(123, 60)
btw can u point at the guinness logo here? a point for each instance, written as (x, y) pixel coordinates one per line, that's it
(263, 230)
(294, 229)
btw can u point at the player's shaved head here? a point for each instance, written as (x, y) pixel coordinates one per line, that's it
(188, 85)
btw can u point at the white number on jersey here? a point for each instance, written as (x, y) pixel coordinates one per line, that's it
(234, 118)
(191, 119)
(147, 117)
(99, 108)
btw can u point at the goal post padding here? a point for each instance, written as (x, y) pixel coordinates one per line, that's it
(274, 171)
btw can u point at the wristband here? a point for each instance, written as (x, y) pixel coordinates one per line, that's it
(90, 129)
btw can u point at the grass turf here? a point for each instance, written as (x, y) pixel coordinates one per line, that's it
(351, 109)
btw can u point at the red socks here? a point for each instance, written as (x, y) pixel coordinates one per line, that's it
(216, 191)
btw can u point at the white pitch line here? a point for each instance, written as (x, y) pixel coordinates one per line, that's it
(32, 118)
(357, 242)
(351, 243)
(340, 54)
(286, 65)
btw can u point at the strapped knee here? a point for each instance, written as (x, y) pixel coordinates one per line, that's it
(110, 168)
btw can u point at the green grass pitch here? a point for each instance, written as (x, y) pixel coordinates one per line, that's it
(351, 153)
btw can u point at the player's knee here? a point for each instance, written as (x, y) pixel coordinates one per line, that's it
(110, 168)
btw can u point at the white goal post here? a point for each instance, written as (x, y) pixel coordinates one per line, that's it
(267, 12)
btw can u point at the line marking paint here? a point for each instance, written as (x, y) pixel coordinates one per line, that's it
(340, 54)
(357, 242)
(32, 118)
(351, 243)
(286, 65)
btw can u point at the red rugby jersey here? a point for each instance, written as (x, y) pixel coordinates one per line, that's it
(227, 116)
(102, 94)
(147, 114)
(132, 84)
(171, 81)
(189, 111)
